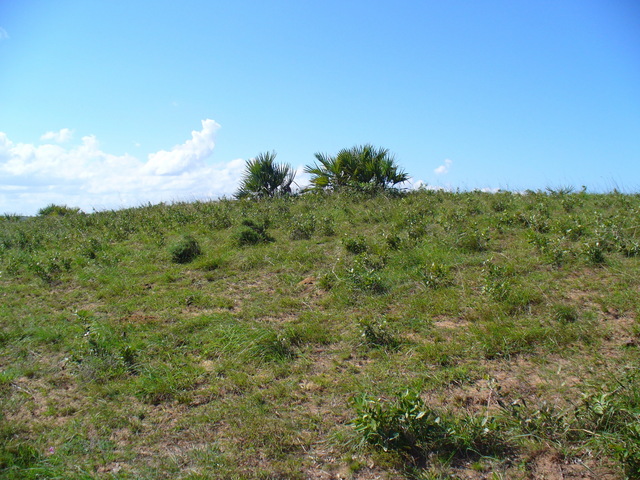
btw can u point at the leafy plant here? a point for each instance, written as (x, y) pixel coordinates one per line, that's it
(252, 233)
(264, 177)
(404, 424)
(303, 227)
(408, 425)
(355, 245)
(185, 250)
(363, 165)
(376, 334)
(365, 275)
(594, 253)
(57, 211)
(435, 276)
(473, 240)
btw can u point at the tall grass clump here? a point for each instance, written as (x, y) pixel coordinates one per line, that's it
(185, 250)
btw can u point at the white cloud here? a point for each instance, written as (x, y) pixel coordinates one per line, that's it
(444, 168)
(3, 34)
(62, 136)
(83, 175)
(414, 184)
(187, 156)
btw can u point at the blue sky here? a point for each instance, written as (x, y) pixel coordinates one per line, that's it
(108, 104)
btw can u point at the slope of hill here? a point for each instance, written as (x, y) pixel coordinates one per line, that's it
(426, 335)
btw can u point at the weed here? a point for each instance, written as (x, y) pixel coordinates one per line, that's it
(473, 240)
(376, 334)
(404, 424)
(356, 245)
(252, 233)
(327, 226)
(302, 227)
(185, 250)
(594, 252)
(407, 425)
(435, 276)
(565, 313)
(221, 219)
(545, 421)
(631, 248)
(57, 210)
(272, 346)
(365, 275)
(394, 242)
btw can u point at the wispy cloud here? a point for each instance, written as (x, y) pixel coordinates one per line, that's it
(61, 136)
(444, 168)
(85, 176)
(3, 34)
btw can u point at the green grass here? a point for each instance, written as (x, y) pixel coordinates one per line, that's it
(422, 335)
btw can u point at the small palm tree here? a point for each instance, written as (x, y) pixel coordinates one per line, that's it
(363, 165)
(264, 177)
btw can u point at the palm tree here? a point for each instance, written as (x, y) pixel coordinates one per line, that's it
(265, 178)
(363, 165)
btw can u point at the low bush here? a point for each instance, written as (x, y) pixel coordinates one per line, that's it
(355, 245)
(185, 250)
(251, 233)
(57, 211)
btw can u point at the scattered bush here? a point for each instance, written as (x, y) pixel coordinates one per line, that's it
(594, 253)
(376, 334)
(406, 424)
(435, 276)
(264, 177)
(185, 250)
(302, 227)
(473, 240)
(273, 346)
(252, 233)
(355, 245)
(57, 211)
(364, 275)
(364, 168)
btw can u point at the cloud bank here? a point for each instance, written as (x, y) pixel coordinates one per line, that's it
(83, 175)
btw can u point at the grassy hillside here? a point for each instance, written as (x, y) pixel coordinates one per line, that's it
(430, 335)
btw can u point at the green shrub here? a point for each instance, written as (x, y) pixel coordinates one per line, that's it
(594, 252)
(302, 227)
(252, 233)
(220, 219)
(57, 210)
(407, 425)
(404, 424)
(327, 226)
(473, 240)
(273, 346)
(435, 276)
(355, 245)
(365, 276)
(185, 250)
(263, 177)
(394, 242)
(377, 335)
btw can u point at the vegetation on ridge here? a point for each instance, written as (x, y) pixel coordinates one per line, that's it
(265, 178)
(361, 167)
(423, 335)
